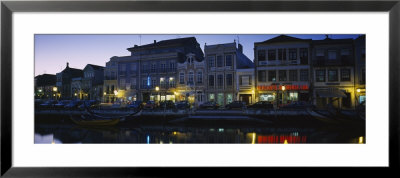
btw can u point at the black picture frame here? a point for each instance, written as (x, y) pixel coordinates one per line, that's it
(8, 7)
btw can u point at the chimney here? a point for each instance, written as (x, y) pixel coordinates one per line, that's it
(240, 48)
(136, 45)
(155, 41)
(67, 65)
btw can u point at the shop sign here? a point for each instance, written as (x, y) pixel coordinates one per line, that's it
(279, 87)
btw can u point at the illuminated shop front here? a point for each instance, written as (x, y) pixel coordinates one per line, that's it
(283, 94)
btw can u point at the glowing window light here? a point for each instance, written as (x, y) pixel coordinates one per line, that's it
(253, 141)
(360, 140)
(175, 133)
(148, 81)
(285, 142)
(220, 129)
(148, 139)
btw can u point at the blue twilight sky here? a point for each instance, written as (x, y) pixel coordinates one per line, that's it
(52, 52)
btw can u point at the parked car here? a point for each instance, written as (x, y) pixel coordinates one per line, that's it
(48, 104)
(262, 105)
(61, 104)
(135, 104)
(236, 105)
(167, 104)
(73, 104)
(299, 105)
(150, 105)
(182, 105)
(209, 105)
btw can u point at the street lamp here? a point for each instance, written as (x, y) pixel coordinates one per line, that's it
(55, 91)
(158, 93)
(283, 94)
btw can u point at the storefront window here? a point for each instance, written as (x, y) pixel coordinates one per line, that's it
(229, 98)
(220, 99)
(293, 96)
(211, 97)
(267, 97)
(362, 99)
(171, 97)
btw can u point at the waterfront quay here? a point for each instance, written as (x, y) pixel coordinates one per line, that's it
(203, 126)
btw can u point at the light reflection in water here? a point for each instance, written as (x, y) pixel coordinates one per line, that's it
(172, 135)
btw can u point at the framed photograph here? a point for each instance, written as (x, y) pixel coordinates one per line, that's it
(104, 88)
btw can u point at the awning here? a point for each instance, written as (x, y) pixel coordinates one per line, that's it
(331, 94)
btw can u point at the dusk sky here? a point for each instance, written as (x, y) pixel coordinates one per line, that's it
(52, 52)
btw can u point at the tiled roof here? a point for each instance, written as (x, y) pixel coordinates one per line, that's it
(178, 41)
(282, 38)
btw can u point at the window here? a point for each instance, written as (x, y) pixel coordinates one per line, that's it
(229, 80)
(181, 78)
(172, 65)
(144, 68)
(320, 54)
(229, 98)
(211, 97)
(153, 67)
(144, 82)
(133, 83)
(261, 75)
(271, 54)
(123, 67)
(133, 67)
(228, 60)
(320, 75)
(220, 80)
(162, 66)
(190, 60)
(211, 61)
(220, 62)
(162, 82)
(332, 55)
(211, 80)
(303, 55)
(282, 54)
(153, 82)
(272, 75)
(345, 54)
(200, 77)
(293, 54)
(191, 78)
(345, 75)
(332, 75)
(122, 83)
(171, 82)
(261, 55)
(244, 80)
(292, 75)
(304, 75)
(113, 75)
(282, 75)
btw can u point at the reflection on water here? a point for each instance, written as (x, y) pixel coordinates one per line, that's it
(47, 133)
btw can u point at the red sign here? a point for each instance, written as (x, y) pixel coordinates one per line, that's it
(279, 87)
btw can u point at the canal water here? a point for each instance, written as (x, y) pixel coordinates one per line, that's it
(166, 133)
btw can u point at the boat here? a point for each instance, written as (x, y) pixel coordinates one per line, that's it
(93, 119)
(87, 120)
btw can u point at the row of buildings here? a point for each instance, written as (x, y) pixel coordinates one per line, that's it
(285, 69)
